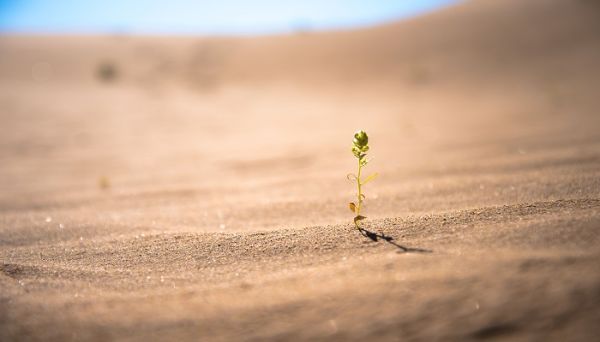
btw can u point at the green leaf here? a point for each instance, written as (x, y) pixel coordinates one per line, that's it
(369, 178)
(359, 218)
(352, 207)
(360, 139)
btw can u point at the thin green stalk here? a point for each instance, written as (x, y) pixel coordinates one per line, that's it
(359, 185)
(359, 149)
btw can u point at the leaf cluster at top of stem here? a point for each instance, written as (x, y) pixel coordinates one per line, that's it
(360, 146)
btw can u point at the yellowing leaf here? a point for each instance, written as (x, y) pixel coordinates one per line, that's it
(370, 178)
(352, 207)
(359, 218)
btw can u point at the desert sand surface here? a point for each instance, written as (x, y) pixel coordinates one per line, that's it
(194, 188)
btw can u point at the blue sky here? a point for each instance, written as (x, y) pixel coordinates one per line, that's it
(201, 16)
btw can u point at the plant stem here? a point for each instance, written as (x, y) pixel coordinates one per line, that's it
(359, 193)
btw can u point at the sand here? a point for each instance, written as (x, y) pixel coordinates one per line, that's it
(193, 188)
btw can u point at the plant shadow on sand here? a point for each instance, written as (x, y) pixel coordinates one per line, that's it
(389, 239)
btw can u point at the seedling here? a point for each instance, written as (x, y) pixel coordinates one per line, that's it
(360, 147)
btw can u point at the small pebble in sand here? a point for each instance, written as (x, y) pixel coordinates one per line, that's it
(104, 183)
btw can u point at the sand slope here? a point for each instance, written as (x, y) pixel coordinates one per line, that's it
(200, 192)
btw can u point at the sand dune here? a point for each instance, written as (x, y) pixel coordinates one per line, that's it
(194, 187)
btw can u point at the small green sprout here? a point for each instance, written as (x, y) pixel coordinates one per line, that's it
(360, 147)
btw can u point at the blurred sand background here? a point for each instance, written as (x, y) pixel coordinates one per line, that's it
(194, 188)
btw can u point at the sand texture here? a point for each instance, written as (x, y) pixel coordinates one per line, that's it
(194, 188)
